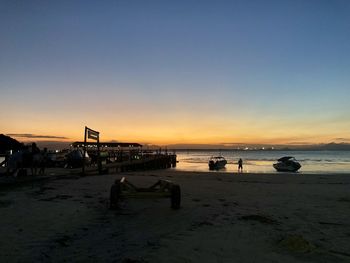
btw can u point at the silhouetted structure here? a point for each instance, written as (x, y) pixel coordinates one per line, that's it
(7, 143)
(106, 144)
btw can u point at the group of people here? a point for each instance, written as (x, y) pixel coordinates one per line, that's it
(39, 158)
(28, 157)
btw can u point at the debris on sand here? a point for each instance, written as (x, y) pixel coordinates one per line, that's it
(296, 243)
(5, 203)
(344, 199)
(134, 260)
(61, 197)
(260, 218)
(63, 241)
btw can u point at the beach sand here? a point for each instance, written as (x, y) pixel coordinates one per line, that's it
(223, 218)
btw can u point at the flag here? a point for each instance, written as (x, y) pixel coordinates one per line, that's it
(92, 134)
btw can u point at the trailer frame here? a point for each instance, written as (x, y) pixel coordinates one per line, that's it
(122, 189)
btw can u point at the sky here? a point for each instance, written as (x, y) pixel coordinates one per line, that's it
(168, 72)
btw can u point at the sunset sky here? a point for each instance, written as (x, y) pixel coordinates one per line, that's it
(166, 72)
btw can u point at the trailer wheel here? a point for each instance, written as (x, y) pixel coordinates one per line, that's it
(115, 195)
(175, 197)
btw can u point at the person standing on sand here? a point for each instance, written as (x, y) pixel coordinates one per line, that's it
(240, 165)
(35, 158)
(43, 161)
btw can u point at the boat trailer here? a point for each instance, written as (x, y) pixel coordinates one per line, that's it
(161, 189)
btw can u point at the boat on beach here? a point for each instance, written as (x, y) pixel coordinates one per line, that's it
(287, 164)
(217, 162)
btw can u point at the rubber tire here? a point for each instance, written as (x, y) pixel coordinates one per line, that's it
(175, 197)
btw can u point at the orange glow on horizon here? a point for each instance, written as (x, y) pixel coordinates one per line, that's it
(178, 126)
(168, 137)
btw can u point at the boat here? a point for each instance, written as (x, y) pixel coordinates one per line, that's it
(217, 162)
(287, 164)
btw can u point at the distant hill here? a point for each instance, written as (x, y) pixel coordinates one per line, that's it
(334, 147)
(7, 143)
(292, 147)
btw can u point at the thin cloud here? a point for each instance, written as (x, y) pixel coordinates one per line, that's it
(233, 143)
(35, 136)
(342, 139)
(300, 143)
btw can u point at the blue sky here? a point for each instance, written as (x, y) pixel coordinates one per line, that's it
(218, 71)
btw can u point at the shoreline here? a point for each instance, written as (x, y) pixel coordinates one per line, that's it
(264, 173)
(62, 173)
(232, 168)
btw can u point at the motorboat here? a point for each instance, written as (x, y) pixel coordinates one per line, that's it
(287, 164)
(217, 162)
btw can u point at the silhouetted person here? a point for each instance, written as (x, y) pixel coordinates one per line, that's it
(35, 148)
(240, 165)
(43, 161)
(35, 158)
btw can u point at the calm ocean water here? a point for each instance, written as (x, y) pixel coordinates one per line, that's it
(261, 161)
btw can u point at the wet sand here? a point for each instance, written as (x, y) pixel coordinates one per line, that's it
(223, 218)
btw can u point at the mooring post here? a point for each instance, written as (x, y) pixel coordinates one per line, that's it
(99, 162)
(84, 152)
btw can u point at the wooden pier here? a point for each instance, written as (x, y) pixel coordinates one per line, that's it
(119, 157)
(161, 161)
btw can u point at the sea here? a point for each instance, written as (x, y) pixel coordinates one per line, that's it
(261, 161)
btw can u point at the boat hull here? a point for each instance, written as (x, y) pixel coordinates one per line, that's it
(281, 167)
(217, 165)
